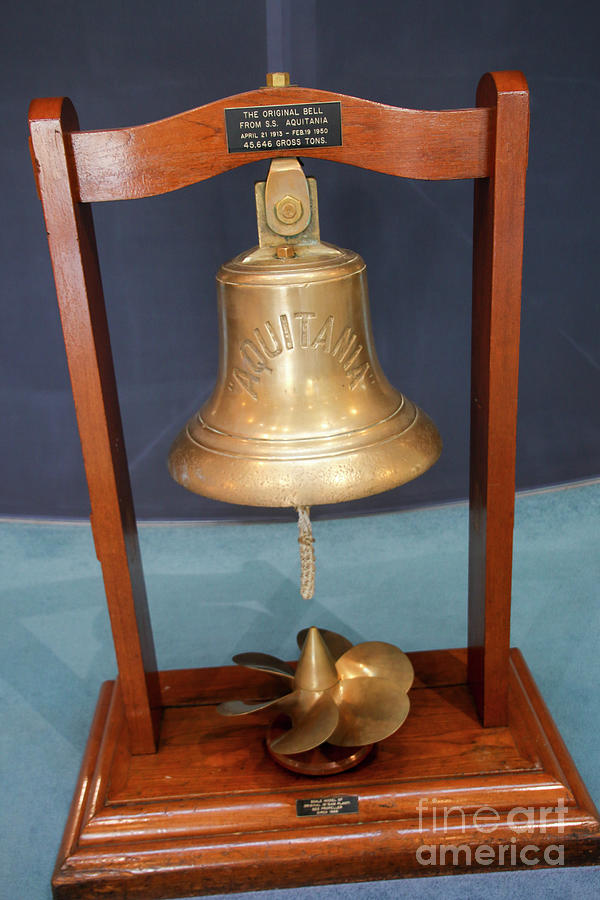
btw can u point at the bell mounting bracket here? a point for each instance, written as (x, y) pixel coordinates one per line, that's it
(287, 209)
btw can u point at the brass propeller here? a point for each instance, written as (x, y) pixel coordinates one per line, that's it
(344, 694)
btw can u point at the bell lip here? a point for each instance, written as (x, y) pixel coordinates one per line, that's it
(398, 422)
(313, 481)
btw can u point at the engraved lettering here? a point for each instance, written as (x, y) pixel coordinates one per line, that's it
(357, 375)
(260, 128)
(304, 335)
(344, 344)
(253, 356)
(268, 343)
(275, 349)
(324, 337)
(281, 111)
(287, 332)
(314, 120)
(352, 359)
(244, 381)
(327, 806)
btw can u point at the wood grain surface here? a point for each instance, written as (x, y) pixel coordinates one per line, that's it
(497, 263)
(126, 163)
(74, 256)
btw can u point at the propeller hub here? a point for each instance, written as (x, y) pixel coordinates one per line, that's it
(316, 669)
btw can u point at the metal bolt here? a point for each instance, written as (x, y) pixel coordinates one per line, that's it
(285, 251)
(288, 210)
(278, 79)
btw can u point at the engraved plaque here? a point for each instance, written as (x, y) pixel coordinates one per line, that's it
(327, 806)
(293, 126)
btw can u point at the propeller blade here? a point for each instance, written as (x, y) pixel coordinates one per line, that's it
(376, 658)
(370, 709)
(336, 643)
(313, 722)
(264, 662)
(241, 708)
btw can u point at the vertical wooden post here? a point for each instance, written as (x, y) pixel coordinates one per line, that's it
(497, 262)
(74, 257)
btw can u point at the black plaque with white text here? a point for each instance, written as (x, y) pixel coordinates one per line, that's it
(327, 806)
(293, 126)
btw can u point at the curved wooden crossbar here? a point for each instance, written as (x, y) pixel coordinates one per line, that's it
(488, 143)
(128, 163)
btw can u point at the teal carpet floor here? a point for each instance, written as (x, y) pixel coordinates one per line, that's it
(216, 590)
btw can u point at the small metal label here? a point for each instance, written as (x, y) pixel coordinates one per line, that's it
(293, 126)
(327, 806)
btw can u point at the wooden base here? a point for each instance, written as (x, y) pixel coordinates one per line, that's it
(211, 812)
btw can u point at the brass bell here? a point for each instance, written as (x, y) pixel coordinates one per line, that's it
(302, 413)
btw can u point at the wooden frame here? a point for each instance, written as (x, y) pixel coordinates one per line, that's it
(73, 169)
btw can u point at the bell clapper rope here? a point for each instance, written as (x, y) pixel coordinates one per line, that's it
(307, 553)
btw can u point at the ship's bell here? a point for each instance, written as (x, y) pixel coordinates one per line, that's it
(301, 413)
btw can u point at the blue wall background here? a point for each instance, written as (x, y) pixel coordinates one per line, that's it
(128, 63)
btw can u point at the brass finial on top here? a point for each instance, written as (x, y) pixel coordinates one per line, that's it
(278, 79)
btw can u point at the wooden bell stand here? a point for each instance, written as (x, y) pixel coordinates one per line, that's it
(172, 799)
